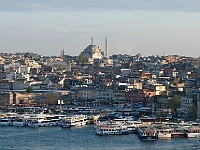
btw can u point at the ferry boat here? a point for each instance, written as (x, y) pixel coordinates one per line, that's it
(110, 128)
(163, 132)
(178, 132)
(38, 121)
(55, 120)
(147, 133)
(193, 131)
(74, 121)
(132, 126)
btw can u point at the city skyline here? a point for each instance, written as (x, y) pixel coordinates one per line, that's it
(147, 27)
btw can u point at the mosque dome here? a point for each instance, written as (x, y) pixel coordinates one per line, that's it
(93, 52)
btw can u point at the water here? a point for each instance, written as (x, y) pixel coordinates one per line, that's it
(84, 138)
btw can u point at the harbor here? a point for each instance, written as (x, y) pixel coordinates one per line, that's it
(104, 124)
(83, 138)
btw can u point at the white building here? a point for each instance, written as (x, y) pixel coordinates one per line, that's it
(186, 104)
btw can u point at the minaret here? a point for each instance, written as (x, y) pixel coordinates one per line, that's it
(92, 40)
(106, 48)
(62, 53)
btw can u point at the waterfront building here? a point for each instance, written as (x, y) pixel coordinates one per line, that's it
(186, 104)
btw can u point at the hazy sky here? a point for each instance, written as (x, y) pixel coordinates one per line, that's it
(149, 27)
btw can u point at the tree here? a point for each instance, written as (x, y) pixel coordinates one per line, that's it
(30, 89)
(51, 98)
(175, 103)
(82, 58)
(193, 112)
(162, 114)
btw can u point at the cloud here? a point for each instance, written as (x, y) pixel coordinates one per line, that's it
(99, 5)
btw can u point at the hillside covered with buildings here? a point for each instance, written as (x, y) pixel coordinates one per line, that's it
(163, 83)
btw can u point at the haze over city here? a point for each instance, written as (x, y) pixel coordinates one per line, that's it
(148, 27)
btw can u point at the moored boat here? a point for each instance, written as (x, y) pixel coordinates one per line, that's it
(147, 133)
(38, 121)
(110, 128)
(74, 121)
(5, 121)
(163, 132)
(193, 131)
(19, 122)
(178, 132)
(197, 140)
(132, 126)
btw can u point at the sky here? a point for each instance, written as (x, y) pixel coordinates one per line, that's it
(148, 27)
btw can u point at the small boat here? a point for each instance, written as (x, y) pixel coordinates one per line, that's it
(19, 122)
(110, 128)
(197, 140)
(147, 133)
(74, 121)
(5, 121)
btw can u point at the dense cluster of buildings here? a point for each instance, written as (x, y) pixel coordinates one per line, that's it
(94, 78)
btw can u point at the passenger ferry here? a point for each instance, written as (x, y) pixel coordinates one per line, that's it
(193, 131)
(74, 121)
(179, 132)
(132, 126)
(163, 132)
(147, 133)
(38, 121)
(110, 128)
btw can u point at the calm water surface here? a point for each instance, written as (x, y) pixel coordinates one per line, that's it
(84, 138)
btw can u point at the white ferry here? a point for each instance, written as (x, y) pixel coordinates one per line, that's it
(109, 128)
(177, 130)
(39, 121)
(132, 126)
(193, 131)
(74, 121)
(163, 132)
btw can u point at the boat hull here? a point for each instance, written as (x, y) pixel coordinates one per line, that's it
(192, 135)
(178, 135)
(164, 136)
(148, 138)
(117, 132)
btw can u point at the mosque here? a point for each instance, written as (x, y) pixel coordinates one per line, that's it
(93, 52)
